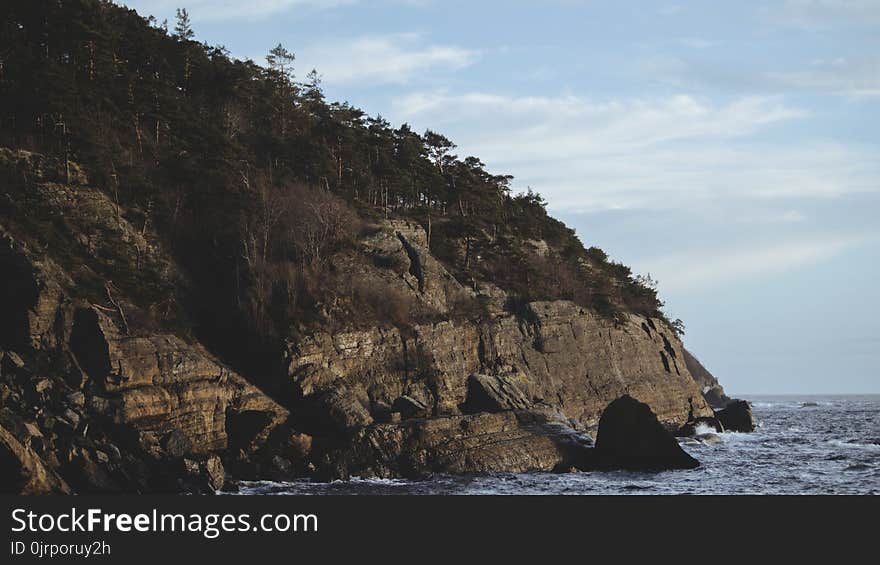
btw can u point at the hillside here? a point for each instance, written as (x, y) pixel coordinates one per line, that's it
(208, 265)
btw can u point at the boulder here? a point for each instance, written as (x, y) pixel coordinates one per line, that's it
(300, 445)
(409, 407)
(12, 361)
(87, 471)
(737, 416)
(23, 472)
(631, 437)
(216, 475)
(343, 410)
(494, 394)
(177, 443)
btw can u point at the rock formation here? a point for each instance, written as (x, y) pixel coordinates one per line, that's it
(99, 397)
(712, 390)
(737, 416)
(630, 437)
(93, 392)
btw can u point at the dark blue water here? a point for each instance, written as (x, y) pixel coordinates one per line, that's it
(830, 448)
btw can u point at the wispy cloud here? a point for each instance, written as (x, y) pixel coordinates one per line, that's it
(708, 267)
(850, 77)
(698, 42)
(661, 152)
(825, 14)
(383, 59)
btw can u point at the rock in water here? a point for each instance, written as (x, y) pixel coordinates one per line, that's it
(631, 437)
(737, 417)
(690, 428)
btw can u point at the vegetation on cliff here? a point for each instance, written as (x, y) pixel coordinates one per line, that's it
(258, 185)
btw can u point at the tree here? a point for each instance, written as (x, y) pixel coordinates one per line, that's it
(281, 66)
(281, 61)
(438, 149)
(183, 29)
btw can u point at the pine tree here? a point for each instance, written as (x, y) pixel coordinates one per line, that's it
(183, 29)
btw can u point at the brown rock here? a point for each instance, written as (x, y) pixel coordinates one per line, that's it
(712, 390)
(505, 441)
(494, 394)
(300, 445)
(215, 472)
(158, 384)
(23, 472)
(409, 407)
(344, 411)
(563, 354)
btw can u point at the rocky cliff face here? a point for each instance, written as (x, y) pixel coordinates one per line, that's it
(95, 393)
(564, 363)
(709, 385)
(99, 394)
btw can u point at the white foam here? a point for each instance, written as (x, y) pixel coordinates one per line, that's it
(855, 445)
(703, 428)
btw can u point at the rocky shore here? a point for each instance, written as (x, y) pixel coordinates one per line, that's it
(99, 397)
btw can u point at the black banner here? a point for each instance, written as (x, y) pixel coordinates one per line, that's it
(149, 529)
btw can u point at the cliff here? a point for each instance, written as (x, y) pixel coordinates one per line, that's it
(562, 363)
(93, 391)
(99, 396)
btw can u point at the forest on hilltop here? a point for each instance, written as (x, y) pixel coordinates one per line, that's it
(254, 181)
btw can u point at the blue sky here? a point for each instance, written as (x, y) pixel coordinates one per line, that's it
(729, 149)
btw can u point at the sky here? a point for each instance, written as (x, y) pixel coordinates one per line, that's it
(728, 149)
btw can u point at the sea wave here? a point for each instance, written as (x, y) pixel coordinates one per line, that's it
(855, 444)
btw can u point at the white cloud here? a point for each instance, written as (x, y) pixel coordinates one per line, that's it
(825, 14)
(382, 59)
(771, 217)
(601, 125)
(718, 266)
(663, 152)
(698, 42)
(843, 76)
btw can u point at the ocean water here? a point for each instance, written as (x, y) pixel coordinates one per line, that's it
(803, 445)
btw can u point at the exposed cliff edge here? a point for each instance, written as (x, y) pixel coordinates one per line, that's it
(709, 385)
(98, 395)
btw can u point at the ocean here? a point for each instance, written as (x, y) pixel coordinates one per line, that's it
(803, 445)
